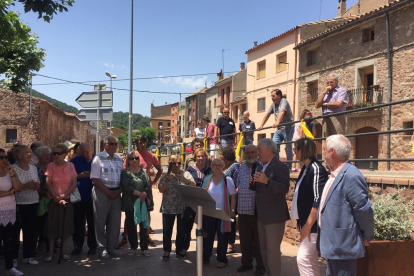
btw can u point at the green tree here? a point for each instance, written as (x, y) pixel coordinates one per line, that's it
(19, 54)
(147, 132)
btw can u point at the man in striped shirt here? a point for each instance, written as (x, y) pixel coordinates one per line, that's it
(247, 220)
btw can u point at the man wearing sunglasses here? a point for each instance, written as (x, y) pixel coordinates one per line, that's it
(226, 126)
(106, 171)
(333, 100)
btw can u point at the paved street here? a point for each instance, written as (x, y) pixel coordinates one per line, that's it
(154, 265)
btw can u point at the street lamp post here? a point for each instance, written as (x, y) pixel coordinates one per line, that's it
(110, 77)
(131, 76)
(160, 127)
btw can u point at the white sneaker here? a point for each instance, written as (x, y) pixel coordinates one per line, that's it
(104, 255)
(66, 257)
(14, 263)
(30, 261)
(14, 271)
(48, 258)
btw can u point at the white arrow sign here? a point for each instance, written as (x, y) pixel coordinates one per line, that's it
(91, 114)
(90, 99)
(102, 132)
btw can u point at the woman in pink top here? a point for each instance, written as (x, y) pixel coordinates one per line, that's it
(60, 183)
(9, 186)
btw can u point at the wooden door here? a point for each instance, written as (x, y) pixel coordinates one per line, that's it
(366, 146)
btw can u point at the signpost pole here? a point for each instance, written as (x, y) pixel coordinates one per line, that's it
(199, 234)
(98, 145)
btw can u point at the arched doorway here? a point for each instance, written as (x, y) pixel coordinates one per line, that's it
(365, 147)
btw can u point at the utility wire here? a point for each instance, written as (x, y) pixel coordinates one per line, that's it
(141, 78)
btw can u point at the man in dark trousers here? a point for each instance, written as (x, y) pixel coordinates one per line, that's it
(225, 125)
(271, 182)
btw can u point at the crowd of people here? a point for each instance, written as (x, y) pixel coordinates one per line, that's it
(52, 194)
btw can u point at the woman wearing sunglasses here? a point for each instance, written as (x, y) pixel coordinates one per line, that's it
(172, 206)
(9, 186)
(135, 186)
(60, 183)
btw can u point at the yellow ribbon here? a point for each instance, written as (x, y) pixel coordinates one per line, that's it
(205, 144)
(305, 130)
(239, 145)
(157, 152)
(182, 153)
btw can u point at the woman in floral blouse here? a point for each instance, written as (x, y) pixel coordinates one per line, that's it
(172, 206)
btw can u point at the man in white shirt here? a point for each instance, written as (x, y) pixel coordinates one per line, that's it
(106, 196)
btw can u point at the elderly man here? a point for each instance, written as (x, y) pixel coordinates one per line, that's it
(225, 126)
(106, 197)
(84, 208)
(247, 220)
(245, 125)
(333, 100)
(283, 114)
(33, 147)
(345, 216)
(271, 182)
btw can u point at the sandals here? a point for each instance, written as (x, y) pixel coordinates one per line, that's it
(221, 265)
(151, 231)
(166, 256)
(230, 249)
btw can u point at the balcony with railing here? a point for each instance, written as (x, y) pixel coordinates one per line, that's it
(363, 97)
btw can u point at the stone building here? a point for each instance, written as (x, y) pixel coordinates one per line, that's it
(357, 51)
(47, 123)
(196, 109)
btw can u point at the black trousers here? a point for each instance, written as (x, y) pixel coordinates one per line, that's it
(232, 234)
(28, 216)
(132, 232)
(249, 239)
(7, 236)
(81, 211)
(212, 227)
(41, 230)
(167, 229)
(187, 227)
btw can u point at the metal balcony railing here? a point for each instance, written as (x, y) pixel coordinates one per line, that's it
(364, 97)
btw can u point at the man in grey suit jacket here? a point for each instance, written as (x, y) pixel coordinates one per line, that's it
(345, 216)
(271, 182)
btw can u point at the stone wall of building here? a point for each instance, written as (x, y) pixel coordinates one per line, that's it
(345, 54)
(46, 123)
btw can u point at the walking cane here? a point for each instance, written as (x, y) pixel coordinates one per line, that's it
(63, 229)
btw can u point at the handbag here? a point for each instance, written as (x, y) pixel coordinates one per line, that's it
(75, 195)
(150, 203)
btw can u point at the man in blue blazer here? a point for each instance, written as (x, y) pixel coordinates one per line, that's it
(345, 216)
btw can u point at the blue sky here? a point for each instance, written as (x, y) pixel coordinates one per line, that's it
(170, 38)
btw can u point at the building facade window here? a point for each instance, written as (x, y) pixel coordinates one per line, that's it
(11, 135)
(261, 104)
(261, 136)
(312, 91)
(281, 62)
(215, 103)
(368, 35)
(261, 69)
(313, 57)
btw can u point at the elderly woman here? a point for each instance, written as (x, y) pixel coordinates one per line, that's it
(198, 171)
(231, 168)
(135, 186)
(9, 185)
(60, 182)
(27, 200)
(172, 206)
(305, 203)
(43, 153)
(222, 190)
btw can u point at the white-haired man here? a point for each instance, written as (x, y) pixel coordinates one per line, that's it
(345, 216)
(106, 171)
(333, 100)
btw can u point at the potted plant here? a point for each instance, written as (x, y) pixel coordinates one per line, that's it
(391, 251)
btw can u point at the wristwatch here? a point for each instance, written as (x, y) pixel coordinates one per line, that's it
(325, 104)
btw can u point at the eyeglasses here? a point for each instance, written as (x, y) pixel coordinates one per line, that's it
(134, 159)
(4, 158)
(113, 144)
(178, 163)
(57, 153)
(226, 112)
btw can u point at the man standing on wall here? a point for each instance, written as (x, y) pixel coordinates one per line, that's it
(247, 124)
(225, 125)
(333, 100)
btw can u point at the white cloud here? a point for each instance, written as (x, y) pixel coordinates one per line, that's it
(191, 82)
(111, 65)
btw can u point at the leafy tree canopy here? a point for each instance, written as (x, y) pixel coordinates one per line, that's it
(19, 53)
(147, 132)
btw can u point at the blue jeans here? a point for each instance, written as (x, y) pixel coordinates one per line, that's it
(287, 136)
(226, 143)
